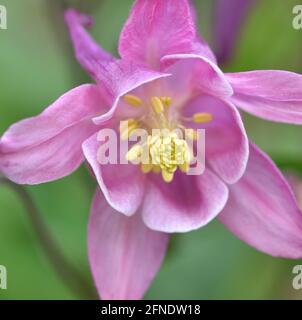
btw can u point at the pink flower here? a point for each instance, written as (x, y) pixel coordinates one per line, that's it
(295, 182)
(167, 76)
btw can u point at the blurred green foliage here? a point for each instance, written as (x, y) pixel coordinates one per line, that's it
(37, 65)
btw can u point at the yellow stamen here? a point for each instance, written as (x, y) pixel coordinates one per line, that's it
(157, 105)
(184, 167)
(127, 123)
(134, 153)
(164, 152)
(133, 100)
(167, 176)
(128, 131)
(166, 101)
(192, 134)
(146, 167)
(127, 128)
(167, 153)
(202, 117)
(156, 169)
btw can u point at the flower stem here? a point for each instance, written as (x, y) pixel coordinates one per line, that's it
(69, 275)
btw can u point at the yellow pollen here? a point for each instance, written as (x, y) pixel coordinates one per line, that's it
(192, 134)
(127, 128)
(166, 101)
(168, 152)
(134, 153)
(133, 100)
(184, 167)
(156, 169)
(126, 123)
(167, 176)
(202, 117)
(146, 168)
(157, 105)
(127, 132)
(165, 151)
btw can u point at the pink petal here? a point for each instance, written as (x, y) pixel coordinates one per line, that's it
(48, 161)
(76, 105)
(48, 146)
(88, 53)
(124, 254)
(194, 73)
(296, 184)
(115, 77)
(187, 203)
(200, 46)
(272, 95)
(121, 77)
(123, 185)
(227, 146)
(157, 28)
(262, 210)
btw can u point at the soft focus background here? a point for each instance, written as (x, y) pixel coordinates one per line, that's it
(37, 65)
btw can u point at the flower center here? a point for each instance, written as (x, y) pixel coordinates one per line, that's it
(165, 149)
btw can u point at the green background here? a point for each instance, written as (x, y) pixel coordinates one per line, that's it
(37, 66)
